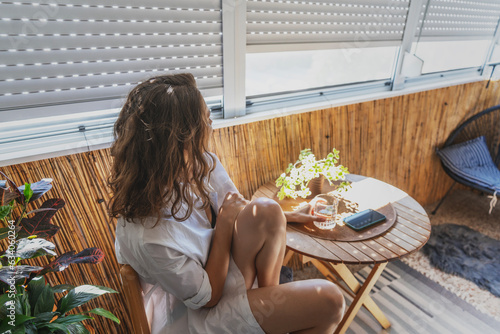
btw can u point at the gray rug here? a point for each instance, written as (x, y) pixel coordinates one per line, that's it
(459, 250)
(415, 304)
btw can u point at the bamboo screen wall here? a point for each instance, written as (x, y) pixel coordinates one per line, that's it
(391, 139)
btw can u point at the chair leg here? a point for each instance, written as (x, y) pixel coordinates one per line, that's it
(442, 199)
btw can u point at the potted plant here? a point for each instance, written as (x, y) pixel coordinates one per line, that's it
(298, 177)
(28, 304)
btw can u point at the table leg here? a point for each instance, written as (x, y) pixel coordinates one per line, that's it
(361, 293)
(288, 256)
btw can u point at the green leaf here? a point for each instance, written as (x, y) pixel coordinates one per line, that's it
(77, 328)
(5, 327)
(45, 302)
(25, 303)
(55, 326)
(27, 192)
(30, 328)
(71, 319)
(35, 288)
(19, 320)
(4, 211)
(80, 295)
(44, 318)
(62, 287)
(104, 313)
(4, 299)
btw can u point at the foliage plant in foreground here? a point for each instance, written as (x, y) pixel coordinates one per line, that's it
(295, 180)
(28, 303)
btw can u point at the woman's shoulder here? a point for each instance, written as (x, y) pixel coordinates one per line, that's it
(212, 158)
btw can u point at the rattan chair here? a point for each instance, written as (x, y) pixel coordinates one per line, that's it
(133, 295)
(486, 123)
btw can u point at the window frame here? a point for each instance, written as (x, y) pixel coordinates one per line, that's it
(234, 107)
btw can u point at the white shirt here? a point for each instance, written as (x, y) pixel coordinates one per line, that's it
(170, 260)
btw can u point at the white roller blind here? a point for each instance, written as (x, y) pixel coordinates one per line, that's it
(68, 51)
(443, 20)
(271, 22)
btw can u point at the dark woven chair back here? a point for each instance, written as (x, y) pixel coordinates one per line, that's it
(485, 123)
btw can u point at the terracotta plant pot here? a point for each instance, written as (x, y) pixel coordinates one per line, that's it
(316, 185)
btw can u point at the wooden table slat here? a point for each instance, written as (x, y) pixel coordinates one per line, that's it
(360, 256)
(387, 253)
(306, 245)
(412, 205)
(414, 238)
(413, 220)
(411, 225)
(415, 215)
(268, 192)
(259, 193)
(401, 243)
(390, 245)
(368, 251)
(345, 257)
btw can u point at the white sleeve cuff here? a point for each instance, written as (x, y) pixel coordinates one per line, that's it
(202, 297)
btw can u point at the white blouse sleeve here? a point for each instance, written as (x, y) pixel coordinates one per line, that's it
(179, 275)
(221, 182)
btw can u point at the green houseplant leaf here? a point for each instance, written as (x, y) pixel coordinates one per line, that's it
(80, 295)
(45, 301)
(77, 328)
(27, 192)
(4, 211)
(44, 317)
(104, 313)
(71, 319)
(62, 287)
(35, 288)
(19, 320)
(55, 328)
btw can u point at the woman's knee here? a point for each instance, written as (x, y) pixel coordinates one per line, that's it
(266, 213)
(332, 300)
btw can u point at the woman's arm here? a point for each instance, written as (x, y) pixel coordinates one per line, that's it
(220, 250)
(304, 214)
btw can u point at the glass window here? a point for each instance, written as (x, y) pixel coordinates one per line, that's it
(450, 55)
(275, 72)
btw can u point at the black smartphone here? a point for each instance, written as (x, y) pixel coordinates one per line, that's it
(363, 219)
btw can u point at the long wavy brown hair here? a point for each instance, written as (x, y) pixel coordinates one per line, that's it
(161, 139)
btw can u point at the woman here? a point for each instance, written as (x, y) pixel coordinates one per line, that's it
(209, 260)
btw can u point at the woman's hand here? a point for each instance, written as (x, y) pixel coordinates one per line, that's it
(231, 207)
(303, 214)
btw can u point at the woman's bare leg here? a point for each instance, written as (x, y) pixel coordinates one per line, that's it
(306, 307)
(259, 240)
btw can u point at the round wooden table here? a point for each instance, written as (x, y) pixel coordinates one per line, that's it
(409, 233)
